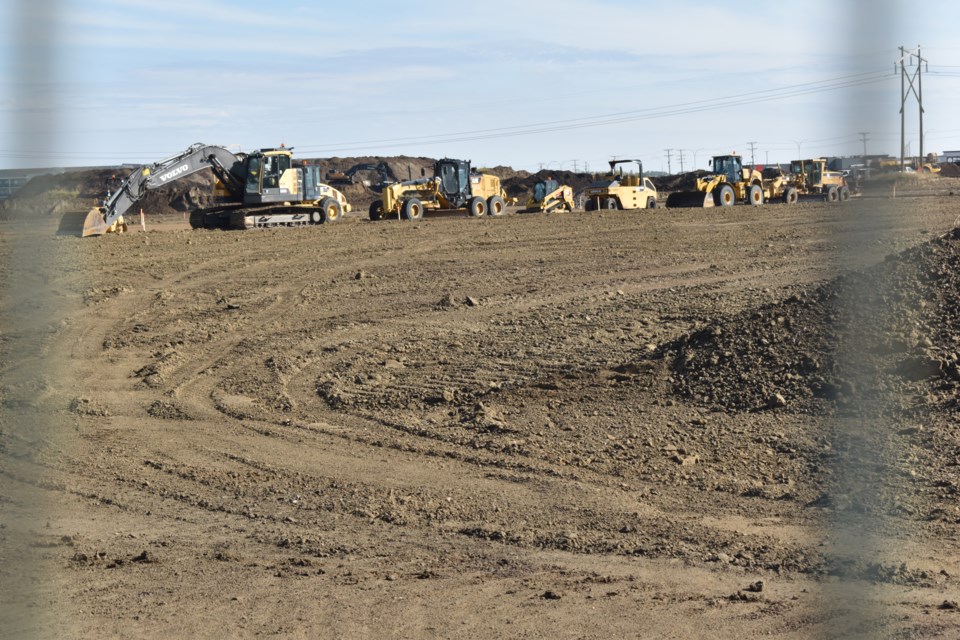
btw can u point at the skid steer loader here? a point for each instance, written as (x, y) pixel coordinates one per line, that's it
(621, 191)
(550, 195)
(729, 183)
(453, 187)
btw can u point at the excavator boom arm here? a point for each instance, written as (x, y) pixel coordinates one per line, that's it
(229, 167)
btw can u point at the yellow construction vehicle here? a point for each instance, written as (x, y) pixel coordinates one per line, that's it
(618, 190)
(550, 195)
(811, 180)
(729, 183)
(453, 187)
(258, 189)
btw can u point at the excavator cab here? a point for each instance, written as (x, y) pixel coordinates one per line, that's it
(265, 171)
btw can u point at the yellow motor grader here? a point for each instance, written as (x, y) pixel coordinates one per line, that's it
(810, 180)
(550, 195)
(729, 183)
(453, 187)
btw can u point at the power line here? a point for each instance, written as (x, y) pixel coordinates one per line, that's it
(917, 90)
(697, 106)
(765, 95)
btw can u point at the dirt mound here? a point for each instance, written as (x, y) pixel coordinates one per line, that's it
(785, 354)
(55, 194)
(679, 182)
(950, 170)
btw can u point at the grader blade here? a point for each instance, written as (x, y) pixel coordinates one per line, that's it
(690, 200)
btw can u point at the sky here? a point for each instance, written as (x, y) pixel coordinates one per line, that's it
(564, 84)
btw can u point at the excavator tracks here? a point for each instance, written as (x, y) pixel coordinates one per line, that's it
(256, 218)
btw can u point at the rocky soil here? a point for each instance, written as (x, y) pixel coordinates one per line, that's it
(679, 423)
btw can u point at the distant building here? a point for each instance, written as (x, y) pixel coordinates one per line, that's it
(12, 179)
(845, 163)
(950, 156)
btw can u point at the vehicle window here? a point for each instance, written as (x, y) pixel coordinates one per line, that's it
(253, 175)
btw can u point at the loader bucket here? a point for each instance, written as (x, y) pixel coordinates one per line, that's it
(690, 199)
(93, 224)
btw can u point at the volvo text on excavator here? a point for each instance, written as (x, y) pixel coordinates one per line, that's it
(258, 189)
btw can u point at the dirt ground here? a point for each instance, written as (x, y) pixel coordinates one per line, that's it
(467, 428)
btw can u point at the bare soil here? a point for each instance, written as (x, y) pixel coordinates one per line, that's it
(539, 426)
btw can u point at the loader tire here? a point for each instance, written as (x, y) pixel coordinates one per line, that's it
(332, 211)
(844, 193)
(590, 205)
(652, 203)
(496, 206)
(412, 209)
(376, 210)
(724, 196)
(832, 194)
(790, 196)
(611, 203)
(478, 207)
(755, 195)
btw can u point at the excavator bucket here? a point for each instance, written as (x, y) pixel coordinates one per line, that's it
(690, 200)
(93, 224)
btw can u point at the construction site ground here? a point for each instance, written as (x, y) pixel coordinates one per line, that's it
(466, 428)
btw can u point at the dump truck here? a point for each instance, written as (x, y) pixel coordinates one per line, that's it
(809, 179)
(453, 187)
(621, 191)
(550, 195)
(257, 189)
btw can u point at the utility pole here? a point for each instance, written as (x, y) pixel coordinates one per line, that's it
(753, 146)
(863, 136)
(574, 166)
(766, 157)
(915, 81)
(680, 151)
(669, 169)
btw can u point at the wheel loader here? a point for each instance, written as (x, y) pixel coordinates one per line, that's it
(810, 180)
(453, 187)
(258, 189)
(621, 191)
(550, 195)
(729, 183)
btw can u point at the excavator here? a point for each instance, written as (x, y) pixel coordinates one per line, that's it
(382, 170)
(258, 189)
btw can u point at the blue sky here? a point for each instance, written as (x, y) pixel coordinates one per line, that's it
(519, 83)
